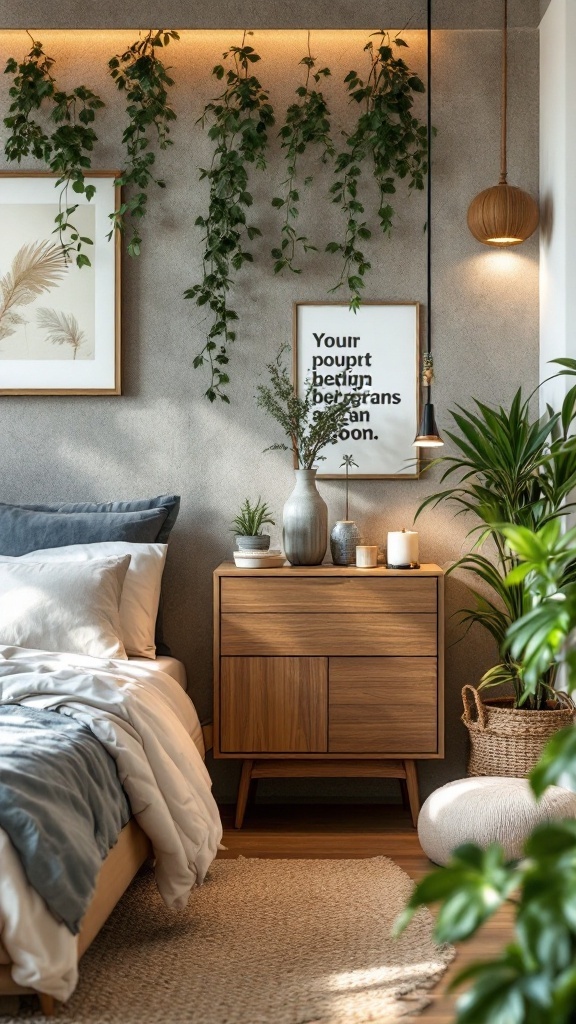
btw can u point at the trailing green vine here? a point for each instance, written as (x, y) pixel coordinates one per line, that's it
(307, 124)
(389, 135)
(141, 74)
(239, 119)
(66, 150)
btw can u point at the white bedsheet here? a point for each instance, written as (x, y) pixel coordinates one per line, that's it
(163, 663)
(145, 721)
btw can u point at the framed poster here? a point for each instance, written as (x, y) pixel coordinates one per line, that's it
(59, 324)
(374, 354)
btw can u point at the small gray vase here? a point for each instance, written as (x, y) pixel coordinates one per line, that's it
(246, 542)
(344, 537)
(305, 520)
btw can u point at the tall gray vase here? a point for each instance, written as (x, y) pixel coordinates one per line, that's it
(305, 521)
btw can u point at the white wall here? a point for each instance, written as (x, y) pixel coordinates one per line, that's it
(557, 191)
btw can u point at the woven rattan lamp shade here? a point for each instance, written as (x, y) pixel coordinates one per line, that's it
(503, 215)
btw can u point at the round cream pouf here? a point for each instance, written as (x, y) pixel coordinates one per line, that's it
(486, 810)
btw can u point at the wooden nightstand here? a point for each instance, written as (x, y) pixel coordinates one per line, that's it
(328, 671)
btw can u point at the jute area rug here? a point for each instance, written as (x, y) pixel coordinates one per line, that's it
(262, 942)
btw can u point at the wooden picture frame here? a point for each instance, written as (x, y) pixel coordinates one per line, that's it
(66, 339)
(398, 395)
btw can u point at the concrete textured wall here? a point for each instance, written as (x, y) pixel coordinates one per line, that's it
(163, 436)
(447, 14)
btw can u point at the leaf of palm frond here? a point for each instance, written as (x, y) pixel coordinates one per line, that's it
(485, 570)
(62, 328)
(477, 450)
(36, 268)
(496, 629)
(500, 675)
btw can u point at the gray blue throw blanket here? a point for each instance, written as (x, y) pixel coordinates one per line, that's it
(61, 804)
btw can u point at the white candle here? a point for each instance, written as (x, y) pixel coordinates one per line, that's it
(402, 548)
(366, 556)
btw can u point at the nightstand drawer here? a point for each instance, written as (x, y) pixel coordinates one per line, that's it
(371, 682)
(329, 594)
(390, 729)
(379, 705)
(328, 634)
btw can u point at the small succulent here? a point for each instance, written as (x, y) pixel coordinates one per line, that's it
(251, 519)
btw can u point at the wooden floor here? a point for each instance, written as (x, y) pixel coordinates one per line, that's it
(359, 831)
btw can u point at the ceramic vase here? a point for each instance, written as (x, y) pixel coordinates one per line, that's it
(344, 537)
(305, 521)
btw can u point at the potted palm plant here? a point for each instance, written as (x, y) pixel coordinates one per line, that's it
(309, 430)
(511, 467)
(532, 978)
(247, 526)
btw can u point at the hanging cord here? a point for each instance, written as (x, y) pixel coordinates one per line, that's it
(428, 361)
(504, 115)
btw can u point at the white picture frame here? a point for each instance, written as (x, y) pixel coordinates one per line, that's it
(375, 353)
(64, 339)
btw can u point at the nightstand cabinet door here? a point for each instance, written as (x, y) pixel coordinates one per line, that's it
(383, 705)
(273, 705)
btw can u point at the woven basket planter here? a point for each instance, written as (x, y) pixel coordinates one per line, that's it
(509, 741)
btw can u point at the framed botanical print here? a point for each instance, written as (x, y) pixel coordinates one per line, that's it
(59, 323)
(374, 355)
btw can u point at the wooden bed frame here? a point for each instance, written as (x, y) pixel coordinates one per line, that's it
(117, 871)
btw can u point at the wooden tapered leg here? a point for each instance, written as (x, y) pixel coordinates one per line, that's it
(412, 787)
(47, 1004)
(243, 791)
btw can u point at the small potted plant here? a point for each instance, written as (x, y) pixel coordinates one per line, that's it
(309, 430)
(247, 526)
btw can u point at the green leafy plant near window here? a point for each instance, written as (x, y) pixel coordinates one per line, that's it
(511, 467)
(392, 139)
(66, 149)
(307, 124)
(533, 980)
(142, 76)
(238, 119)
(308, 429)
(251, 518)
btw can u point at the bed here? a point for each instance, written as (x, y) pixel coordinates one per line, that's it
(135, 707)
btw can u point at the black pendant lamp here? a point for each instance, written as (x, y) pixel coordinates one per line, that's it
(428, 435)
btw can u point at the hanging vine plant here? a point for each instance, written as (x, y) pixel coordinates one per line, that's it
(392, 138)
(141, 75)
(307, 124)
(66, 150)
(238, 119)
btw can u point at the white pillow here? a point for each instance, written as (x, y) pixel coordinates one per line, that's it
(141, 593)
(49, 606)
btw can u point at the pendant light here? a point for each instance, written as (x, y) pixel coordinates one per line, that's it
(428, 435)
(503, 215)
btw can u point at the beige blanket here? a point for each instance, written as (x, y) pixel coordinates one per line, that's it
(144, 720)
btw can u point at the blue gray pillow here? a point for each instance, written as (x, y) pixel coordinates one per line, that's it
(25, 528)
(170, 503)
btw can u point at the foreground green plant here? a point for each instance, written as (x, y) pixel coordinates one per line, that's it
(308, 429)
(307, 125)
(66, 150)
(511, 467)
(251, 519)
(392, 139)
(239, 120)
(533, 981)
(141, 75)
